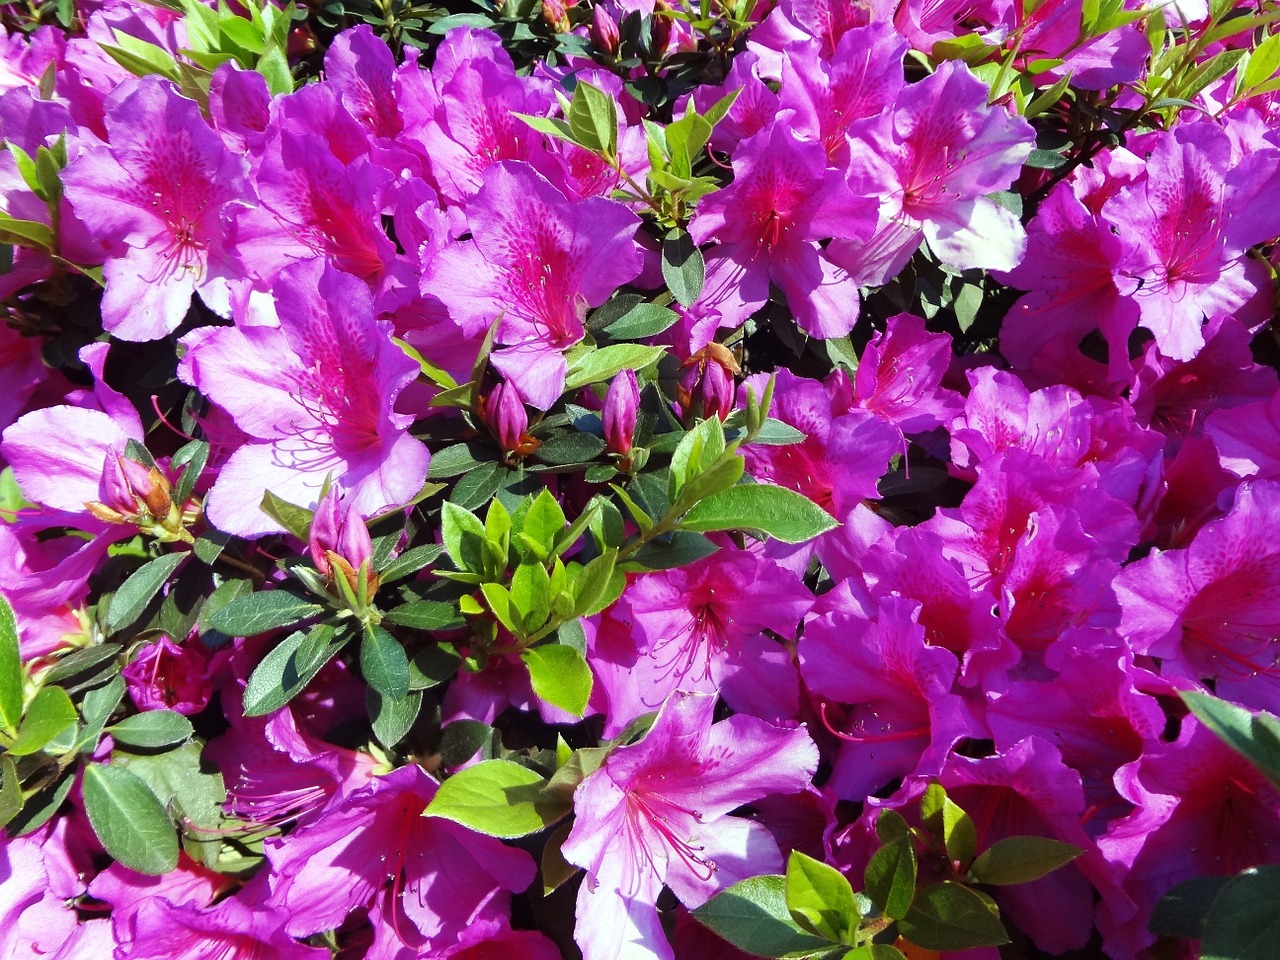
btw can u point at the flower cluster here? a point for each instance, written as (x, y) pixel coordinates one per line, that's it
(499, 483)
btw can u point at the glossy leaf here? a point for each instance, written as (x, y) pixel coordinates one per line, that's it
(498, 798)
(129, 819)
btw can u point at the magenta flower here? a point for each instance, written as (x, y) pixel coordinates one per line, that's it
(1211, 610)
(155, 195)
(782, 202)
(160, 930)
(166, 676)
(900, 376)
(537, 260)
(657, 812)
(315, 396)
(932, 160)
(373, 846)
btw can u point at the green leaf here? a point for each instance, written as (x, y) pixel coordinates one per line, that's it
(946, 820)
(683, 268)
(274, 68)
(531, 595)
(192, 458)
(642, 321)
(604, 363)
(141, 58)
(545, 521)
(697, 450)
(591, 591)
(890, 877)
(295, 519)
(677, 550)
(1263, 63)
(10, 671)
(1243, 923)
(425, 615)
(753, 916)
(49, 713)
(593, 119)
(432, 666)
(384, 663)
(191, 791)
(820, 898)
(25, 233)
(392, 716)
(875, 951)
(289, 666)
(262, 611)
(410, 562)
(10, 791)
(1255, 736)
(1183, 910)
(96, 708)
(153, 728)
(129, 819)
(464, 537)
(948, 916)
(135, 593)
(559, 676)
(551, 126)
(781, 513)
(498, 798)
(1021, 860)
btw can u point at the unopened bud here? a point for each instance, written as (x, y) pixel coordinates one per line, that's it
(556, 14)
(508, 419)
(340, 544)
(619, 416)
(707, 388)
(604, 31)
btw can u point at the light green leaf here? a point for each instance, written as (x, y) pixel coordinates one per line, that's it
(10, 671)
(10, 791)
(597, 366)
(559, 676)
(946, 820)
(781, 513)
(129, 819)
(498, 798)
(464, 537)
(49, 713)
(593, 119)
(820, 898)
(890, 877)
(295, 519)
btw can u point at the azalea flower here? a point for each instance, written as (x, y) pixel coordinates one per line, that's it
(657, 812)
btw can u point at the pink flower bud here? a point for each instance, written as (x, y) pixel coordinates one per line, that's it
(339, 539)
(556, 14)
(619, 416)
(507, 417)
(707, 389)
(604, 31)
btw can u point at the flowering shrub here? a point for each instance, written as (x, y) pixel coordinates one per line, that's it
(639, 480)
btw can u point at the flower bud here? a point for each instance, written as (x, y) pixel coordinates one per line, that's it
(556, 14)
(619, 415)
(507, 417)
(604, 31)
(707, 389)
(339, 543)
(133, 493)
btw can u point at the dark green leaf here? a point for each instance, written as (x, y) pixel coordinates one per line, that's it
(462, 739)
(135, 593)
(683, 268)
(1021, 860)
(210, 546)
(569, 447)
(83, 664)
(890, 877)
(477, 487)
(392, 716)
(781, 513)
(948, 916)
(192, 457)
(96, 708)
(753, 916)
(820, 898)
(10, 671)
(42, 805)
(950, 823)
(410, 562)
(384, 663)
(1183, 910)
(425, 615)
(498, 798)
(642, 321)
(560, 676)
(295, 519)
(432, 665)
(680, 549)
(259, 612)
(1045, 160)
(191, 790)
(288, 667)
(153, 728)
(456, 460)
(1243, 923)
(129, 819)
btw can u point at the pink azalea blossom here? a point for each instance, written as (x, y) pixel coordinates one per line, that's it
(315, 397)
(657, 812)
